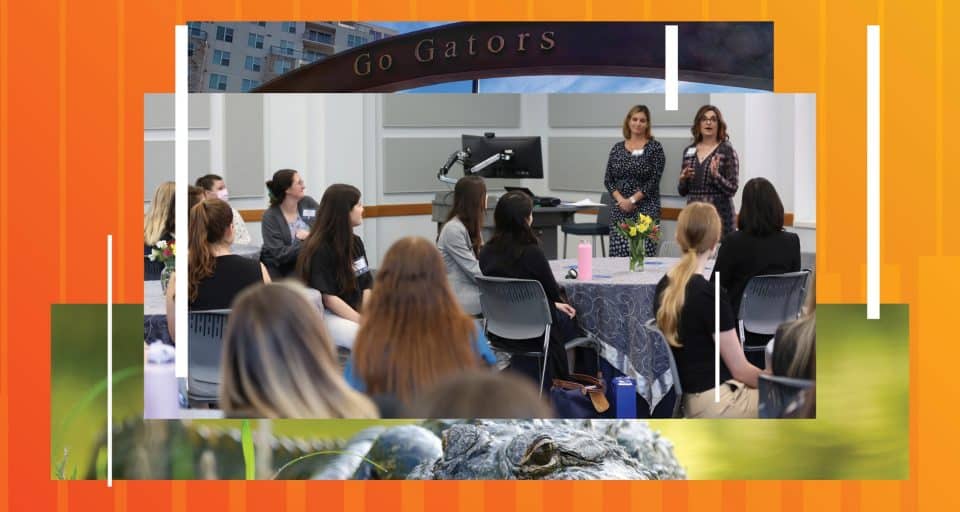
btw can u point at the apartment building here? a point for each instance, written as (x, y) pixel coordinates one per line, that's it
(239, 56)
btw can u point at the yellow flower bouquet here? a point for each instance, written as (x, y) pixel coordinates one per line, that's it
(636, 231)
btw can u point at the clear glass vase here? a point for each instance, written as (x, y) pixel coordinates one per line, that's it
(168, 268)
(636, 260)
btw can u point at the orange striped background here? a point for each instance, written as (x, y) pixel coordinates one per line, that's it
(72, 79)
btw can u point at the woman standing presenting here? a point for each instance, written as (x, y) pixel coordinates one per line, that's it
(633, 176)
(711, 167)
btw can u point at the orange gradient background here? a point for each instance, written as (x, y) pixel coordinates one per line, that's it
(72, 80)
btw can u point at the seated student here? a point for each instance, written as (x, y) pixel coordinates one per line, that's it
(286, 223)
(514, 252)
(459, 241)
(482, 394)
(194, 196)
(215, 276)
(760, 246)
(684, 308)
(278, 361)
(412, 333)
(794, 349)
(215, 188)
(334, 261)
(158, 223)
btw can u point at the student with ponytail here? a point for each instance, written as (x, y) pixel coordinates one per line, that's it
(214, 275)
(684, 308)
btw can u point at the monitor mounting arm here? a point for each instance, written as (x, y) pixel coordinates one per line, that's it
(462, 155)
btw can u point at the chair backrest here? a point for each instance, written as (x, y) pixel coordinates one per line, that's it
(670, 249)
(781, 395)
(514, 309)
(151, 269)
(203, 353)
(603, 212)
(651, 326)
(771, 300)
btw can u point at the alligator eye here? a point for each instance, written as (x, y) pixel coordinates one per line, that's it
(540, 452)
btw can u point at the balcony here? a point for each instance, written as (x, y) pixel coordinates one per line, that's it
(285, 52)
(314, 36)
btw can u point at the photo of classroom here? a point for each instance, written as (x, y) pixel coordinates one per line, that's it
(484, 256)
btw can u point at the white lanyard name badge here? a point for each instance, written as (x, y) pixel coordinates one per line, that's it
(311, 213)
(360, 266)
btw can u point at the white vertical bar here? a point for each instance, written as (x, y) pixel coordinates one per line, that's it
(180, 170)
(670, 76)
(873, 172)
(716, 337)
(109, 360)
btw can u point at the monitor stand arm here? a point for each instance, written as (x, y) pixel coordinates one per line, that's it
(461, 156)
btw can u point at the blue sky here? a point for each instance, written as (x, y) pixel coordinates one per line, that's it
(553, 83)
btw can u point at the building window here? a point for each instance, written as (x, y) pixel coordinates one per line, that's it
(252, 63)
(289, 27)
(255, 40)
(248, 84)
(218, 82)
(190, 47)
(259, 23)
(224, 34)
(312, 56)
(194, 24)
(355, 40)
(287, 48)
(221, 57)
(376, 35)
(281, 66)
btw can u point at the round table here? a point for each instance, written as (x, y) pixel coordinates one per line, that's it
(615, 305)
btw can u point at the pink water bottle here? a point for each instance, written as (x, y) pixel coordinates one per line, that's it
(585, 261)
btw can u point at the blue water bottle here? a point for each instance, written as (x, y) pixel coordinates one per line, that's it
(625, 396)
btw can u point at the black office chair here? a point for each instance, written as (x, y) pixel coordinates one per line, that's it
(206, 330)
(781, 396)
(599, 228)
(151, 269)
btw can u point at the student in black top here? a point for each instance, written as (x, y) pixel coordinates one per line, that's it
(215, 276)
(684, 307)
(760, 246)
(514, 251)
(334, 261)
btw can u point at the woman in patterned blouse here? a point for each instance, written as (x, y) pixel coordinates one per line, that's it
(633, 176)
(711, 167)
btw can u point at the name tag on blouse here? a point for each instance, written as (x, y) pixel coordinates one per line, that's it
(309, 213)
(690, 152)
(360, 266)
(637, 152)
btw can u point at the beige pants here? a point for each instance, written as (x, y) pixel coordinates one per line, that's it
(736, 401)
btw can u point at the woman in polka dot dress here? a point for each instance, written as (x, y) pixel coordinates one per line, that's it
(633, 176)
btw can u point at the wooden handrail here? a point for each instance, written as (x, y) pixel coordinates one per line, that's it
(411, 209)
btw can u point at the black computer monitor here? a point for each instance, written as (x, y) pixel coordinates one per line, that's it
(526, 162)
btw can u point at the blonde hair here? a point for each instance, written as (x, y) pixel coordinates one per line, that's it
(278, 360)
(412, 332)
(156, 221)
(794, 352)
(698, 231)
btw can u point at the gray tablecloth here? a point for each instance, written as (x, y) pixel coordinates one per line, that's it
(154, 314)
(614, 305)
